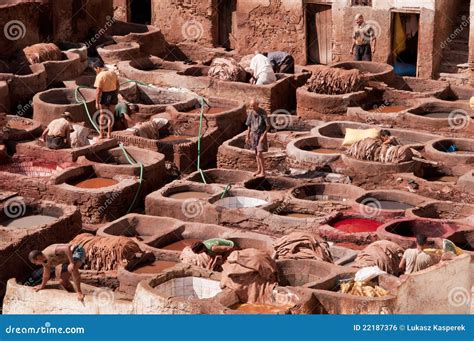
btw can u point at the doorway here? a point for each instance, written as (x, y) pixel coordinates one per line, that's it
(405, 31)
(318, 34)
(226, 11)
(140, 11)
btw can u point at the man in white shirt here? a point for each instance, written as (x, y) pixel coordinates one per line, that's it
(262, 70)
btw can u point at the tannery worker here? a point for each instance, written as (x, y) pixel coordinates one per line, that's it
(70, 257)
(416, 259)
(122, 119)
(108, 85)
(262, 70)
(364, 40)
(282, 62)
(256, 138)
(218, 249)
(58, 133)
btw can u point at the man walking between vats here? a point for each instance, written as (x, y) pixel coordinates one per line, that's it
(364, 40)
(69, 257)
(108, 85)
(258, 126)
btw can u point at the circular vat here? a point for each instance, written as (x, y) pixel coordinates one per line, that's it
(21, 128)
(239, 201)
(412, 87)
(389, 201)
(370, 70)
(443, 211)
(188, 191)
(310, 151)
(327, 192)
(304, 273)
(18, 215)
(114, 53)
(440, 114)
(451, 152)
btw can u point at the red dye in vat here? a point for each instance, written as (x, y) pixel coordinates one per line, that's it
(355, 225)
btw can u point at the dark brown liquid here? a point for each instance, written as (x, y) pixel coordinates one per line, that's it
(259, 308)
(190, 195)
(325, 151)
(96, 183)
(155, 267)
(181, 244)
(389, 109)
(443, 178)
(212, 111)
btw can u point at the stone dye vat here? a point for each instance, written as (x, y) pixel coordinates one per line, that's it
(77, 48)
(405, 88)
(177, 142)
(444, 211)
(220, 176)
(99, 198)
(114, 161)
(126, 86)
(235, 154)
(347, 228)
(436, 115)
(310, 152)
(332, 134)
(115, 53)
(389, 203)
(455, 153)
(226, 114)
(404, 231)
(149, 38)
(152, 100)
(67, 155)
(70, 66)
(355, 166)
(371, 71)
(271, 183)
(21, 128)
(51, 104)
(25, 226)
(386, 111)
(25, 82)
(29, 176)
(327, 192)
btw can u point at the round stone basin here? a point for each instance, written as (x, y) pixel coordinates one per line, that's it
(28, 221)
(434, 174)
(444, 210)
(32, 168)
(270, 184)
(442, 111)
(252, 308)
(189, 195)
(276, 143)
(463, 146)
(370, 70)
(404, 231)
(326, 192)
(389, 201)
(355, 224)
(240, 202)
(65, 96)
(155, 267)
(463, 239)
(388, 204)
(189, 287)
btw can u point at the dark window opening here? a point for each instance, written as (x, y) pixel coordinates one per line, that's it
(140, 11)
(361, 2)
(405, 34)
(226, 10)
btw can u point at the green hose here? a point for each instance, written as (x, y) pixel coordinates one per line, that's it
(128, 157)
(226, 190)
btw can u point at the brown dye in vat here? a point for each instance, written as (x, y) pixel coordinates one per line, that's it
(29, 221)
(259, 308)
(211, 111)
(389, 109)
(155, 267)
(325, 151)
(96, 183)
(181, 244)
(299, 215)
(190, 195)
(443, 178)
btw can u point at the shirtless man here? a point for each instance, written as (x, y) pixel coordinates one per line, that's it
(70, 257)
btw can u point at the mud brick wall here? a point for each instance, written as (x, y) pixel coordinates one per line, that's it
(121, 10)
(35, 188)
(186, 20)
(271, 25)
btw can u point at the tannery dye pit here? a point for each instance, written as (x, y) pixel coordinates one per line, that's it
(294, 171)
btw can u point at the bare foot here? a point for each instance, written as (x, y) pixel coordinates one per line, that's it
(101, 137)
(80, 296)
(261, 174)
(109, 137)
(255, 173)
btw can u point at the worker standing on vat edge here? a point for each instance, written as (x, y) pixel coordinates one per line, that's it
(108, 85)
(58, 133)
(70, 257)
(364, 40)
(256, 138)
(416, 259)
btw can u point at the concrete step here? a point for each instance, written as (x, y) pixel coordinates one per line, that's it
(454, 78)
